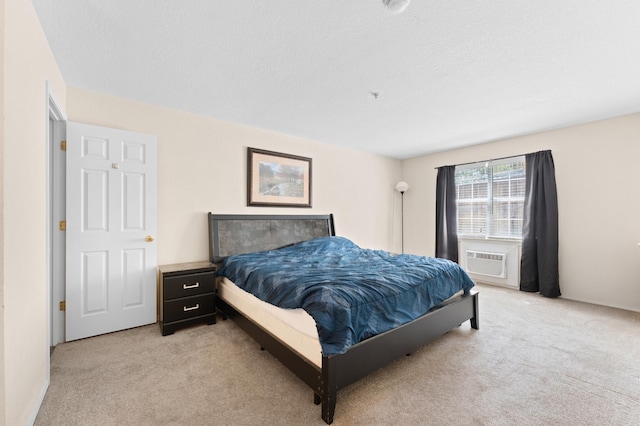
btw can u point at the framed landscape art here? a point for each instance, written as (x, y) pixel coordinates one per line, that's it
(277, 179)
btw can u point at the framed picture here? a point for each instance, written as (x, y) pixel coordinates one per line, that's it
(278, 180)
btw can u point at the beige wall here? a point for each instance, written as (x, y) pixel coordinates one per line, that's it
(27, 64)
(202, 167)
(2, 364)
(598, 199)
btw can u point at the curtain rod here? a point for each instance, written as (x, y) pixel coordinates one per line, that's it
(490, 159)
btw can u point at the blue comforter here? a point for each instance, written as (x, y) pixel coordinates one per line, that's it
(351, 293)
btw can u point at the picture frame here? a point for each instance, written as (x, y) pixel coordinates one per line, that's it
(275, 179)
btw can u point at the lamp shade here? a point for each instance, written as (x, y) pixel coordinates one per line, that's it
(402, 187)
(396, 6)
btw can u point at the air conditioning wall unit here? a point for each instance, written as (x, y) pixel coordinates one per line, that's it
(486, 263)
(492, 262)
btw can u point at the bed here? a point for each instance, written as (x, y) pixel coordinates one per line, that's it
(324, 367)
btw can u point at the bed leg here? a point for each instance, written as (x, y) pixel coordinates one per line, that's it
(220, 307)
(316, 399)
(329, 389)
(328, 407)
(476, 313)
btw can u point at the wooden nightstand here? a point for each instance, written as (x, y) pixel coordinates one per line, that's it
(187, 295)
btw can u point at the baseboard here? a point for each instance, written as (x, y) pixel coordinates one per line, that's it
(38, 404)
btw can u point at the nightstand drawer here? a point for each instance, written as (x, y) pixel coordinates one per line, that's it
(189, 307)
(188, 285)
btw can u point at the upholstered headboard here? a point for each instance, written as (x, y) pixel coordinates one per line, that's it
(236, 234)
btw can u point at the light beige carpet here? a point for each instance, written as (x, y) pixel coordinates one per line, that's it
(534, 361)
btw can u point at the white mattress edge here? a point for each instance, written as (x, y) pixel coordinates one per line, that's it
(294, 327)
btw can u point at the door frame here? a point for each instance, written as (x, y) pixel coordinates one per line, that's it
(56, 123)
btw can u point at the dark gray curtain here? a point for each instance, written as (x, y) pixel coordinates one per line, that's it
(539, 264)
(446, 221)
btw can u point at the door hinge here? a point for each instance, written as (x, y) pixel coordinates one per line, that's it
(63, 145)
(62, 225)
(63, 305)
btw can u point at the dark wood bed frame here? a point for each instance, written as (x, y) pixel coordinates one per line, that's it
(234, 234)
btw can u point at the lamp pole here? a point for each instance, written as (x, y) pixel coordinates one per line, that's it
(402, 187)
(402, 216)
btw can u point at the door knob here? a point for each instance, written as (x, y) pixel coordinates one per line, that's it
(148, 238)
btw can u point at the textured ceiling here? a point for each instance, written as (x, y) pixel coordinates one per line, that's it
(447, 73)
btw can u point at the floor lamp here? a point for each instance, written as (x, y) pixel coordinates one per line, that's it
(402, 187)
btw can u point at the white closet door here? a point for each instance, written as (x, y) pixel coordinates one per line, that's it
(111, 192)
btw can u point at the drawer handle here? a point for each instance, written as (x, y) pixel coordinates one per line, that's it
(191, 308)
(186, 287)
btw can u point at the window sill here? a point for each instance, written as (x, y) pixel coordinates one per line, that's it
(495, 239)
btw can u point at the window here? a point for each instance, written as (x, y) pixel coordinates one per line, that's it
(490, 198)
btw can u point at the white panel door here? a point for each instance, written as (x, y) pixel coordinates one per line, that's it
(111, 187)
